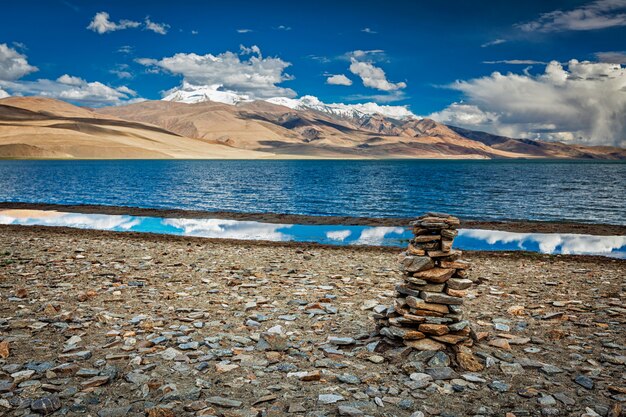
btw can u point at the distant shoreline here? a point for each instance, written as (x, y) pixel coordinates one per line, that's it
(520, 226)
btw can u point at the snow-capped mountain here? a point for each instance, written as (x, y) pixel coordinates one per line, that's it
(347, 111)
(189, 93)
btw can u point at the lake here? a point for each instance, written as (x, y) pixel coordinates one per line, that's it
(577, 191)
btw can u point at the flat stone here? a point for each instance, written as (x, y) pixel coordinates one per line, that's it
(417, 263)
(22, 376)
(459, 283)
(224, 402)
(345, 410)
(420, 304)
(439, 359)
(341, 341)
(499, 386)
(584, 381)
(442, 373)
(420, 379)
(329, 398)
(46, 405)
(436, 275)
(425, 344)
(511, 368)
(95, 381)
(562, 397)
(114, 411)
(349, 379)
(438, 298)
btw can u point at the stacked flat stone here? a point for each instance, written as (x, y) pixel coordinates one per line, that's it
(427, 313)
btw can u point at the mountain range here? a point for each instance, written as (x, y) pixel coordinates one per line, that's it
(206, 124)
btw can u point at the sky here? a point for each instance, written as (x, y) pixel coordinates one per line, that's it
(551, 70)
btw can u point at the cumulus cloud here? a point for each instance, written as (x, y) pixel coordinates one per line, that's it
(493, 43)
(13, 65)
(243, 30)
(74, 89)
(283, 27)
(369, 30)
(338, 79)
(584, 103)
(101, 24)
(256, 75)
(612, 57)
(373, 76)
(160, 28)
(599, 14)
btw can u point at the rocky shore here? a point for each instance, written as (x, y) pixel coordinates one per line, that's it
(112, 324)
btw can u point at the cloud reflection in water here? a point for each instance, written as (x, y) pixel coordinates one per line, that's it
(552, 243)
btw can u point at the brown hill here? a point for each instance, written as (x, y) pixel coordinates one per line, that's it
(35, 127)
(263, 126)
(542, 148)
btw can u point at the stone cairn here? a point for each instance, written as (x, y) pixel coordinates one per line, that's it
(427, 313)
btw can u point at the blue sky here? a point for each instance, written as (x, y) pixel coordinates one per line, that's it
(423, 48)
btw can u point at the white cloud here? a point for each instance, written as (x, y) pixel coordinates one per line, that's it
(370, 55)
(4, 94)
(101, 24)
(126, 49)
(160, 28)
(373, 76)
(516, 62)
(368, 30)
(244, 30)
(13, 65)
(564, 243)
(256, 76)
(376, 235)
(122, 74)
(493, 43)
(338, 79)
(585, 103)
(338, 235)
(194, 32)
(283, 27)
(613, 57)
(73, 89)
(599, 14)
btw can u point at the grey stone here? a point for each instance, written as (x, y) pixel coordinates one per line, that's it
(46, 405)
(224, 402)
(114, 411)
(499, 386)
(439, 359)
(329, 398)
(441, 373)
(345, 410)
(341, 341)
(438, 298)
(564, 398)
(584, 381)
(420, 380)
(349, 379)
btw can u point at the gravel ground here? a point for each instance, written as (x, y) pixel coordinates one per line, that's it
(114, 324)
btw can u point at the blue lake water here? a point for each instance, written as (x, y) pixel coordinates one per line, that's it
(468, 239)
(580, 191)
